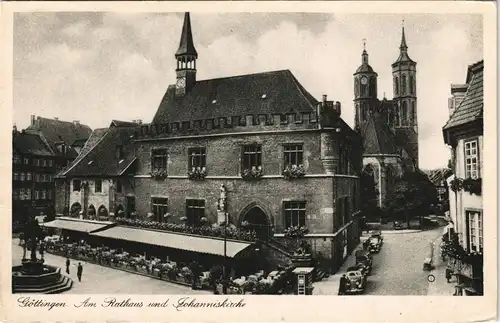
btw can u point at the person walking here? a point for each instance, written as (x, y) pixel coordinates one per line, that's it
(342, 285)
(67, 265)
(79, 272)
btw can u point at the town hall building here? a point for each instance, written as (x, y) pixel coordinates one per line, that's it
(389, 128)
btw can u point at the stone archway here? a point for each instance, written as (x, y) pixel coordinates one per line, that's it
(102, 212)
(254, 218)
(75, 209)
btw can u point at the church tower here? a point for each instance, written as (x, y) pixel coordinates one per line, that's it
(404, 74)
(365, 91)
(186, 57)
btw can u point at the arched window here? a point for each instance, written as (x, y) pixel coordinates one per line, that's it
(404, 114)
(413, 113)
(373, 87)
(403, 84)
(412, 84)
(396, 85)
(356, 87)
(364, 86)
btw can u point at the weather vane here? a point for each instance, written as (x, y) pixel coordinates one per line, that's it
(364, 43)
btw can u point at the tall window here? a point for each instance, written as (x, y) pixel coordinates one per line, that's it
(159, 159)
(471, 159)
(294, 213)
(404, 114)
(26, 161)
(159, 207)
(252, 156)
(197, 157)
(475, 231)
(16, 176)
(98, 186)
(37, 162)
(119, 153)
(23, 176)
(15, 194)
(119, 186)
(412, 84)
(28, 176)
(51, 163)
(49, 194)
(22, 195)
(16, 159)
(403, 84)
(396, 85)
(77, 185)
(44, 194)
(356, 87)
(293, 154)
(37, 195)
(28, 193)
(195, 210)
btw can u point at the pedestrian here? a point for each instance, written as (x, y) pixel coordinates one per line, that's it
(79, 272)
(67, 265)
(342, 285)
(448, 275)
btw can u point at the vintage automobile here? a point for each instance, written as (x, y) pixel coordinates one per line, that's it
(355, 282)
(375, 244)
(398, 225)
(377, 234)
(365, 258)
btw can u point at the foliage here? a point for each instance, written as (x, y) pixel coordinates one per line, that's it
(294, 172)
(212, 231)
(453, 249)
(197, 173)
(470, 185)
(295, 232)
(412, 196)
(159, 173)
(252, 174)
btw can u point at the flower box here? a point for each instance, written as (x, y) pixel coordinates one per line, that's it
(254, 173)
(293, 172)
(159, 173)
(197, 173)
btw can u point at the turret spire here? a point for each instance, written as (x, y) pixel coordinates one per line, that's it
(403, 46)
(364, 56)
(186, 45)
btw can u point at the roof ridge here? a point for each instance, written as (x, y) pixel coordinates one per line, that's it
(242, 75)
(78, 160)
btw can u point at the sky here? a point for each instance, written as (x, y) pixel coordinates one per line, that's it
(97, 67)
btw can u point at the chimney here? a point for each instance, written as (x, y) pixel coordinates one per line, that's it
(324, 98)
(76, 122)
(14, 129)
(56, 118)
(337, 108)
(138, 121)
(33, 118)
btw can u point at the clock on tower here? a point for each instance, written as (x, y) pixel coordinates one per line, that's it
(181, 83)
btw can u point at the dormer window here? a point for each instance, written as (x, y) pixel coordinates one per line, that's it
(119, 152)
(214, 101)
(264, 96)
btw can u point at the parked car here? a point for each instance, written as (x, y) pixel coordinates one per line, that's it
(356, 282)
(398, 225)
(364, 257)
(375, 244)
(377, 234)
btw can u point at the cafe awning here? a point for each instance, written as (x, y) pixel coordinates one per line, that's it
(199, 244)
(75, 225)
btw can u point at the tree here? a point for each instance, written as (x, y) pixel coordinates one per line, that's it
(412, 195)
(368, 193)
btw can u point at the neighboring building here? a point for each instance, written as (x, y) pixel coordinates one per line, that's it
(33, 168)
(234, 137)
(65, 140)
(464, 134)
(389, 128)
(101, 182)
(438, 179)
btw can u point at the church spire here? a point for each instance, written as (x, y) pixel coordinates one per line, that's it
(186, 45)
(403, 47)
(364, 55)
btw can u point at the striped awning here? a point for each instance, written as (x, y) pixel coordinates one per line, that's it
(198, 244)
(75, 225)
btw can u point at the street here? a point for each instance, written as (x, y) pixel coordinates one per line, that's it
(103, 280)
(397, 268)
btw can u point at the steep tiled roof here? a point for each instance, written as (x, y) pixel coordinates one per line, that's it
(437, 176)
(29, 144)
(99, 157)
(471, 106)
(262, 93)
(56, 131)
(377, 137)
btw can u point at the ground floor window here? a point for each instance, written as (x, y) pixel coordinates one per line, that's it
(159, 207)
(294, 213)
(195, 210)
(474, 231)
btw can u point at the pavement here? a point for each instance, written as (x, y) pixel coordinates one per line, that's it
(440, 287)
(398, 267)
(103, 280)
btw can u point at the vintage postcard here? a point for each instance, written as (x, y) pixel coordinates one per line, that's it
(251, 161)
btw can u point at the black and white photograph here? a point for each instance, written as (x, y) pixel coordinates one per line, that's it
(248, 153)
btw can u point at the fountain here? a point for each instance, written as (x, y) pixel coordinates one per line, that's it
(33, 276)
